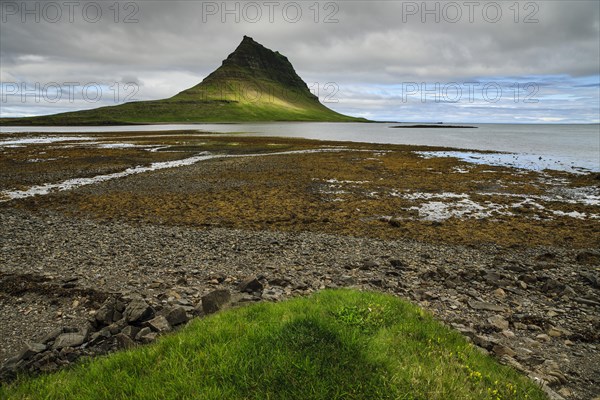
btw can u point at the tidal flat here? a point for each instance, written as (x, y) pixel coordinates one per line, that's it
(303, 215)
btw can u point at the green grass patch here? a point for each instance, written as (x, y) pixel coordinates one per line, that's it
(336, 344)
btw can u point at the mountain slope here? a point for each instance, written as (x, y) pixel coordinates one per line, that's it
(253, 84)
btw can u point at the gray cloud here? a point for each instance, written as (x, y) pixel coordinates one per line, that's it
(173, 45)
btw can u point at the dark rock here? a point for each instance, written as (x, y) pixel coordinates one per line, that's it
(68, 354)
(546, 257)
(159, 324)
(496, 279)
(588, 302)
(104, 315)
(52, 335)
(480, 305)
(130, 331)
(68, 340)
(176, 316)
(552, 286)
(528, 278)
(591, 279)
(143, 332)
(368, 265)
(588, 258)
(347, 280)
(116, 327)
(124, 341)
(138, 310)
(214, 301)
(250, 284)
(485, 342)
(498, 322)
(146, 335)
(398, 264)
(49, 367)
(282, 282)
(501, 350)
(30, 350)
(100, 336)
(376, 282)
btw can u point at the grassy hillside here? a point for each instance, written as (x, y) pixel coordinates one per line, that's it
(253, 84)
(338, 344)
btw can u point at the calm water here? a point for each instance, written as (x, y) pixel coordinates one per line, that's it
(559, 146)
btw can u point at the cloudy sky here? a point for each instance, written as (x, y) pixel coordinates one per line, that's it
(453, 61)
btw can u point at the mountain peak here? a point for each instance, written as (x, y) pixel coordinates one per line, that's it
(252, 58)
(252, 84)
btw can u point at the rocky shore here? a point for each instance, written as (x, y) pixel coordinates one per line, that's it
(74, 286)
(509, 257)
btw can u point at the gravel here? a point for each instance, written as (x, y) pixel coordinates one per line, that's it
(55, 271)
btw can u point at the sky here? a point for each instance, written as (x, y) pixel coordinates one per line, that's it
(434, 61)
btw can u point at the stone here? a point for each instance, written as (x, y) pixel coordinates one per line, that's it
(368, 265)
(398, 264)
(590, 278)
(279, 282)
(124, 341)
(52, 335)
(588, 258)
(485, 342)
(508, 334)
(176, 316)
(69, 354)
(496, 279)
(347, 280)
(146, 335)
(520, 325)
(215, 300)
(250, 284)
(588, 302)
(68, 340)
(130, 331)
(498, 322)
(138, 310)
(30, 350)
(481, 305)
(542, 337)
(160, 324)
(553, 332)
(116, 327)
(501, 350)
(500, 293)
(565, 392)
(143, 332)
(552, 286)
(104, 315)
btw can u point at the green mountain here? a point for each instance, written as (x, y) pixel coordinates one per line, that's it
(253, 84)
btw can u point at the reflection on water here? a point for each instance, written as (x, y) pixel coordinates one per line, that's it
(562, 147)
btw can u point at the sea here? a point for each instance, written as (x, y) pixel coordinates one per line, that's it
(572, 148)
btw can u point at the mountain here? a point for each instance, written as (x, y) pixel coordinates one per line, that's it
(252, 84)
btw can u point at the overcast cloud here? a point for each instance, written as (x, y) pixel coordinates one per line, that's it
(389, 60)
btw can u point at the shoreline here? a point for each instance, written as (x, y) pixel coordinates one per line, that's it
(508, 257)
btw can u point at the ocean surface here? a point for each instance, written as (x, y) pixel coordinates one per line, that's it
(573, 148)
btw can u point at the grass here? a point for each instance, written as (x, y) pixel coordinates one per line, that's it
(336, 344)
